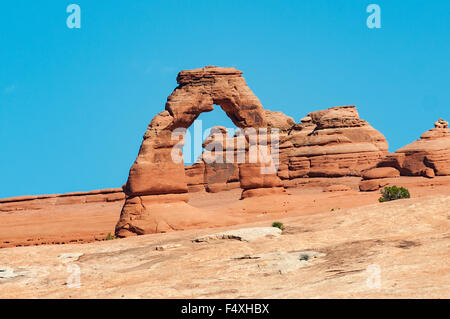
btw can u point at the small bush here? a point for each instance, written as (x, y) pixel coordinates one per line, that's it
(278, 225)
(110, 237)
(304, 257)
(393, 193)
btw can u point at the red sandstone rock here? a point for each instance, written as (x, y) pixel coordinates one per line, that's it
(39, 202)
(380, 172)
(199, 89)
(279, 120)
(337, 188)
(332, 143)
(372, 185)
(156, 172)
(395, 160)
(340, 116)
(195, 174)
(258, 192)
(251, 177)
(429, 172)
(432, 150)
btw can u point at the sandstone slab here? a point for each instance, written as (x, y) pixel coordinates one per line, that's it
(372, 185)
(244, 234)
(337, 188)
(380, 172)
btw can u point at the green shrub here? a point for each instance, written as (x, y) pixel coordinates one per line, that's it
(278, 225)
(304, 257)
(110, 237)
(393, 193)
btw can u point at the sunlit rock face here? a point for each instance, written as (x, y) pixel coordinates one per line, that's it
(157, 179)
(429, 155)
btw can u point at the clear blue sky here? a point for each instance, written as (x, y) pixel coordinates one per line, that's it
(74, 104)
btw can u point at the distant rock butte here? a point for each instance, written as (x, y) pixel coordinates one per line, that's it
(428, 156)
(331, 143)
(39, 202)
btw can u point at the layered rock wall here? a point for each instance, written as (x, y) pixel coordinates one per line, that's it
(428, 156)
(38, 202)
(331, 143)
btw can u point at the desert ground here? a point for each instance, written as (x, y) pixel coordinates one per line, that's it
(341, 244)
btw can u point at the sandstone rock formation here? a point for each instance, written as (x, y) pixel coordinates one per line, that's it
(38, 202)
(243, 234)
(380, 172)
(331, 143)
(334, 142)
(221, 168)
(157, 177)
(372, 184)
(279, 120)
(428, 156)
(217, 169)
(373, 178)
(407, 238)
(337, 188)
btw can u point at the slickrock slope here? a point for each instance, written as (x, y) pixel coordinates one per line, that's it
(59, 219)
(428, 156)
(390, 250)
(82, 221)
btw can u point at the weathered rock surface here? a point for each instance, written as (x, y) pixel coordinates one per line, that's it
(431, 151)
(195, 176)
(243, 234)
(372, 185)
(331, 143)
(258, 192)
(380, 172)
(337, 188)
(408, 239)
(373, 178)
(219, 159)
(40, 202)
(326, 144)
(93, 221)
(279, 120)
(281, 263)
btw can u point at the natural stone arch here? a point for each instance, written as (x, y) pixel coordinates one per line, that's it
(155, 179)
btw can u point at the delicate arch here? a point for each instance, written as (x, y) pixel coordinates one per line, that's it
(154, 173)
